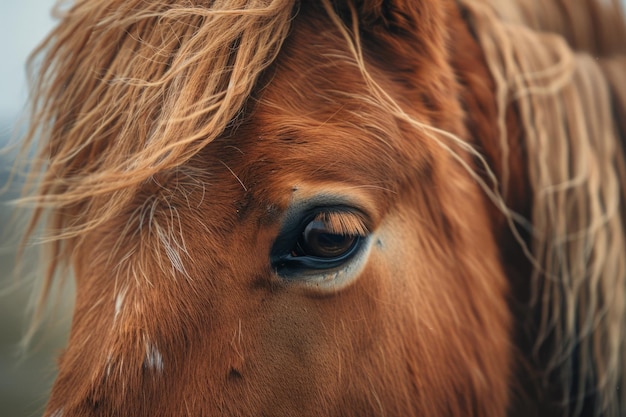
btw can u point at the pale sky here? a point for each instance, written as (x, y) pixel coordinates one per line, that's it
(23, 23)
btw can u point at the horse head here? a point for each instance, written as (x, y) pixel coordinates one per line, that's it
(332, 208)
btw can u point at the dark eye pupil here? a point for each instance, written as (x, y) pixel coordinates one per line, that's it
(317, 240)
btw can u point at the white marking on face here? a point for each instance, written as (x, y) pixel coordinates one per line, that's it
(109, 364)
(119, 301)
(57, 413)
(154, 359)
(173, 247)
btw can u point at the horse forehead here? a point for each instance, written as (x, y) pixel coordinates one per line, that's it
(328, 130)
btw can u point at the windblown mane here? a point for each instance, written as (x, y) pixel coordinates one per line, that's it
(167, 101)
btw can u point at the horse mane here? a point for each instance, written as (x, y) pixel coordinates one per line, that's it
(161, 94)
(566, 96)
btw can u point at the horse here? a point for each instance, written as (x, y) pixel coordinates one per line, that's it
(334, 208)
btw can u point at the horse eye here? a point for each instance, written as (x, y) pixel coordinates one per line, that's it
(318, 241)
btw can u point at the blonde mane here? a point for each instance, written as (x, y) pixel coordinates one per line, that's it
(565, 96)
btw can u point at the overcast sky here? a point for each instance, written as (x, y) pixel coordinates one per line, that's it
(23, 23)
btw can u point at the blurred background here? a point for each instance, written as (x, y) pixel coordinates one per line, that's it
(25, 376)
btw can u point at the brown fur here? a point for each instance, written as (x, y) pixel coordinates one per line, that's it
(175, 135)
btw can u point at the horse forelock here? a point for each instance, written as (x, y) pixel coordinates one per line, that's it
(150, 62)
